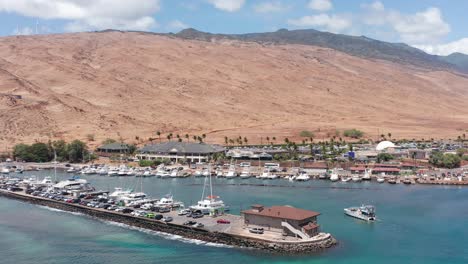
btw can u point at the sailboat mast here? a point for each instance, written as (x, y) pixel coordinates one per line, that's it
(211, 187)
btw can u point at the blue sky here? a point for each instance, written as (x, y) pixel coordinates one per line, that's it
(436, 26)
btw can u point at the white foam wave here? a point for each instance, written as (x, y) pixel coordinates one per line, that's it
(58, 210)
(168, 236)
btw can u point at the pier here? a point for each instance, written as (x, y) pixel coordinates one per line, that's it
(233, 234)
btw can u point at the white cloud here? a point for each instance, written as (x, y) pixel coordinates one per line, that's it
(23, 31)
(421, 27)
(332, 23)
(227, 5)
(446, 49)
(89, 14)
(177, 25)
(320, 5)
(270, 7)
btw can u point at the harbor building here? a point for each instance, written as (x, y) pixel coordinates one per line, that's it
(112, 148)
(286, 219)
(176, 151)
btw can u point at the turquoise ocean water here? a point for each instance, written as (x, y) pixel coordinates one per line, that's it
(418, 224)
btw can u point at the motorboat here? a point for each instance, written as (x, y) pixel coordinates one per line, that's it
(174, 173)
(219, 174)
(345, 179)
(356, 178)
(198, 173)
(231, 172)
(302, 177)
(4, 170)
(164, 175)
(364, 212)
(367, 175)
(245, 174)
(71, 170)
(334, 176)
(168, 201)
(380, 179)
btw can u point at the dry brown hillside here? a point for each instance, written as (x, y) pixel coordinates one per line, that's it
(123, 85)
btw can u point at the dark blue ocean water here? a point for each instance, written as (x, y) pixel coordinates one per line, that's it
(418, 224)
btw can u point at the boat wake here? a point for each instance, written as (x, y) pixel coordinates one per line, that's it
(167, 235)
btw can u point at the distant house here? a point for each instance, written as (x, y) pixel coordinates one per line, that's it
(113, 148)
(286, 219)
(175, 151)
(418, 154)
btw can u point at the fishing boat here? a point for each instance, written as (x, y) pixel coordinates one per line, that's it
(364, 212)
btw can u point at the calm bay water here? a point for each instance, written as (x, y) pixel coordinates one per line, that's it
(418, 224)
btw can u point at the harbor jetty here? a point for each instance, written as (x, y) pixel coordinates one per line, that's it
(227, 229)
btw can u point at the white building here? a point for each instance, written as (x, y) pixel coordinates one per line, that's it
(175, 151)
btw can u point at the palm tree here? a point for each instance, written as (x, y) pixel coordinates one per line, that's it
(194, 138)
(168, 137)
(187, 137)
(389, 135)
(226, 140)
(180, 140)
(245, 140)
(203, 136)
(268, 139)
(159, 135)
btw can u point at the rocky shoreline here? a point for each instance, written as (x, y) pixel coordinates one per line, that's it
(184, 231)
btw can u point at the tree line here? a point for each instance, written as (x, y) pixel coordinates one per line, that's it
(75, 151)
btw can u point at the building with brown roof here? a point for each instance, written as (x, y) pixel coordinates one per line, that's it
(289, 220)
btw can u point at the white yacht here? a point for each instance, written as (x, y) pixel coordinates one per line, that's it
(164, 175)
(73, 184)
(198, 173)
(113, 172)
(210, 204)
(127, 196)
(381, 178)
(302, 177)
(206, 173)
(265, 174)
(367, 175)
(168, 201)
(231, 172)
(345, 179)
(219, 174)
(356, 178)
(245, 174)
(71, 170)
(364, 212)
(174, 173)
(5, 170)
(334, 176)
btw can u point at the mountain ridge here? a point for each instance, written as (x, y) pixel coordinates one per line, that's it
(361, 46)
(128, 85)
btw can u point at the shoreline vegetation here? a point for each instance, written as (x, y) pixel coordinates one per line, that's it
(328, 151)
